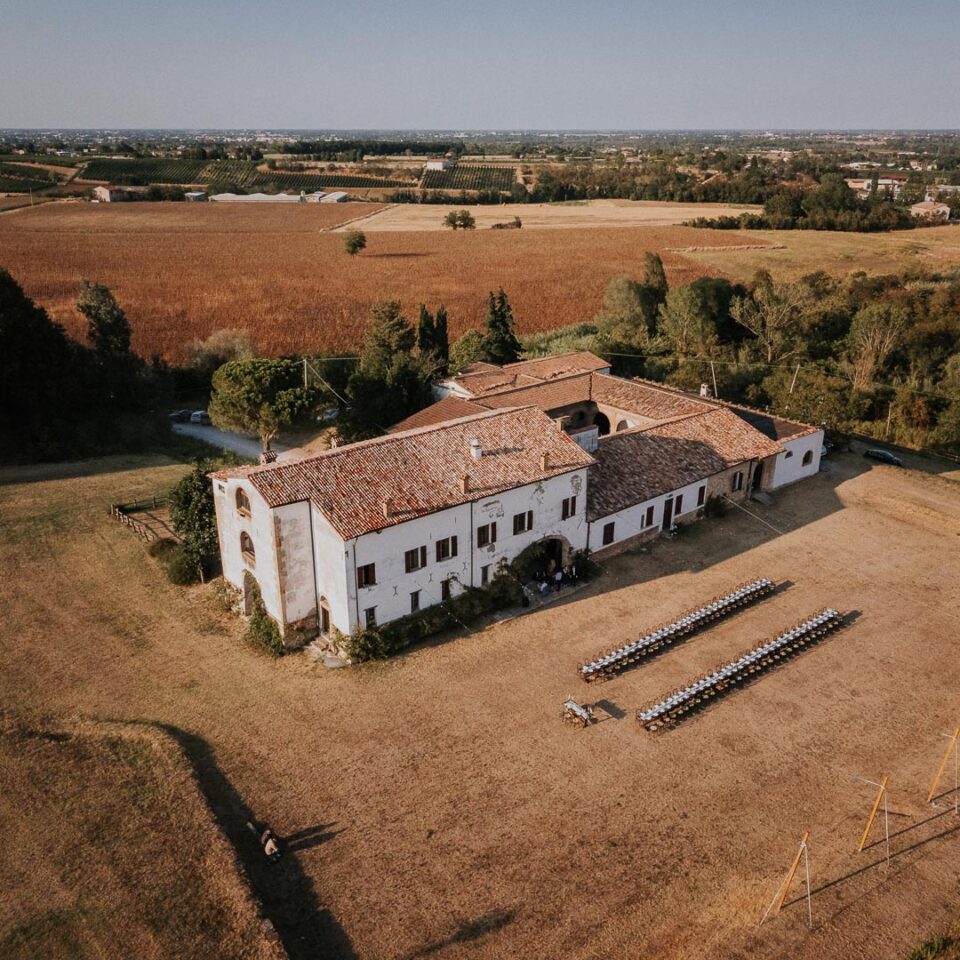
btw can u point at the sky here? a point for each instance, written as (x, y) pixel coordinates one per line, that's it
(484, 64)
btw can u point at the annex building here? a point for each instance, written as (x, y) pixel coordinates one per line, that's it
(553, 451)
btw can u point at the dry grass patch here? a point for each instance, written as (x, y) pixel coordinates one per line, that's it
(115, 853)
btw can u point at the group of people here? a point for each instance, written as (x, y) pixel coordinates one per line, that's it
(268, 841)
(555, 576)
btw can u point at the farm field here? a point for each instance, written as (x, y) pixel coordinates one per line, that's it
(183, 270)
(572, 215)
(449, 813)
(792, 253)
(466, 177)
(118, 853)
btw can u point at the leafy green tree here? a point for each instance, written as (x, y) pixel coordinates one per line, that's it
(685, 323)
(629, 312)
(389, 334)
(876, 331)
(460, 220)
(469, 348)
(195, 519)
(107, 325)
(221, 346)
(354, 241)
(261, 397)
(500, 343)
(773, 315)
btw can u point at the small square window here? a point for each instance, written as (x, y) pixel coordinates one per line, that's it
(367, 575)
(569, 508)
(608, 529)
(678, 506)
(648, 519)
(701, 496)
(370, 617)
(486, 534)
(415, 559)
(522, 522)
(446, 549)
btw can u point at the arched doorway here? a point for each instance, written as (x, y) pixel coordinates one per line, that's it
(542, 559)
(602, 422)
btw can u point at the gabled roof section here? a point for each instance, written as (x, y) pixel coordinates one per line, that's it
(481, 379)
(449, 408)
(637, 465)
(375, 484)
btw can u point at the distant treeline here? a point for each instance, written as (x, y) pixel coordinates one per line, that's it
(355, 150)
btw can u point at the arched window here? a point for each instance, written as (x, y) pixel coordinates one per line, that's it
(243, 502)
(246, 548)
(808, 458)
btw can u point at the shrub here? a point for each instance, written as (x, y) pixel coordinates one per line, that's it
(227, 596)
(262, 631)
(354, 241)
(176, 564)
(378, 643)
(715, 506)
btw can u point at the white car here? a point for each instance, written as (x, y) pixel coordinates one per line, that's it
(201, 417)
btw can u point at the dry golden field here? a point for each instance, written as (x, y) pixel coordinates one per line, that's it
(184, 270)
(436, 807)
(551, 216)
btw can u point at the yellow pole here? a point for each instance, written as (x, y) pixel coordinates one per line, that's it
(943, 764)
(793, 870)
(873, 813)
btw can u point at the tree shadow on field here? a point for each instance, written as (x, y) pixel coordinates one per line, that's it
(392, 255)
(308, 931)
(467, 932)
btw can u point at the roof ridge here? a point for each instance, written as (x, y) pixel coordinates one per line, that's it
(533, 386)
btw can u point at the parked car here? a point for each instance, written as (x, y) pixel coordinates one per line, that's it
(179, 416)
(200, 416)
(884, 456)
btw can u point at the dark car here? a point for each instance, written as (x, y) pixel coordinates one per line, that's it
(201, 417)
(179, 416)
(884, 456)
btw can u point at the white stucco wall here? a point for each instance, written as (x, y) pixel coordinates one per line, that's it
(789, 465)
(630, 521)
(259, 525)
(294, 541)
(332, 568)
(387, 548)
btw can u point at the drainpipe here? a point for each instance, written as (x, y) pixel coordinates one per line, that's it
(356, 587)
(472, 581)
(313, 563)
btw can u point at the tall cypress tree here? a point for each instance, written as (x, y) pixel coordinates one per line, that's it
(426, 332)
(441, 338)
(501, 344)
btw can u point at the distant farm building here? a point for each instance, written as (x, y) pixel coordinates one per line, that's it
(318, 196)
(118, 194)
(931, 210)
(441, 163)
(195, 195)
(891, 183)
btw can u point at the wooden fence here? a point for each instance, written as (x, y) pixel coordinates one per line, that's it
(154, 527)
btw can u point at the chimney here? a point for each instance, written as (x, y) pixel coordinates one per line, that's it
(705, 390)
(465, 483)
(386, 509)
(545, 460)
(476, 450)
(268, 456)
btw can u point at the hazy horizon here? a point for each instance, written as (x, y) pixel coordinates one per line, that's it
(611, 66)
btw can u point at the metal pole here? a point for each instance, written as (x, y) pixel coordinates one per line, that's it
(714, 373)
(806, 868)
(886, 825)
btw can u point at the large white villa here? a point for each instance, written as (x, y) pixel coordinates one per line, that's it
(553, 451)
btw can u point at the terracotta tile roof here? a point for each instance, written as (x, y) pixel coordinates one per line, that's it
(450, 408)
(650, 400)
(418, 472)
(637, 465)
(770, 425)
(550, 395)
(480, 379)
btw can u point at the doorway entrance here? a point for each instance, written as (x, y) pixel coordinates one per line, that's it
(668, 513)
(757, 477)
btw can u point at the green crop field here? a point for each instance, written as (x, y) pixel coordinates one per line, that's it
(463, 177)
(143, 172)
(21, 184)
(241, 173)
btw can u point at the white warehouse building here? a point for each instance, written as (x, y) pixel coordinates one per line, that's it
(553, 451)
